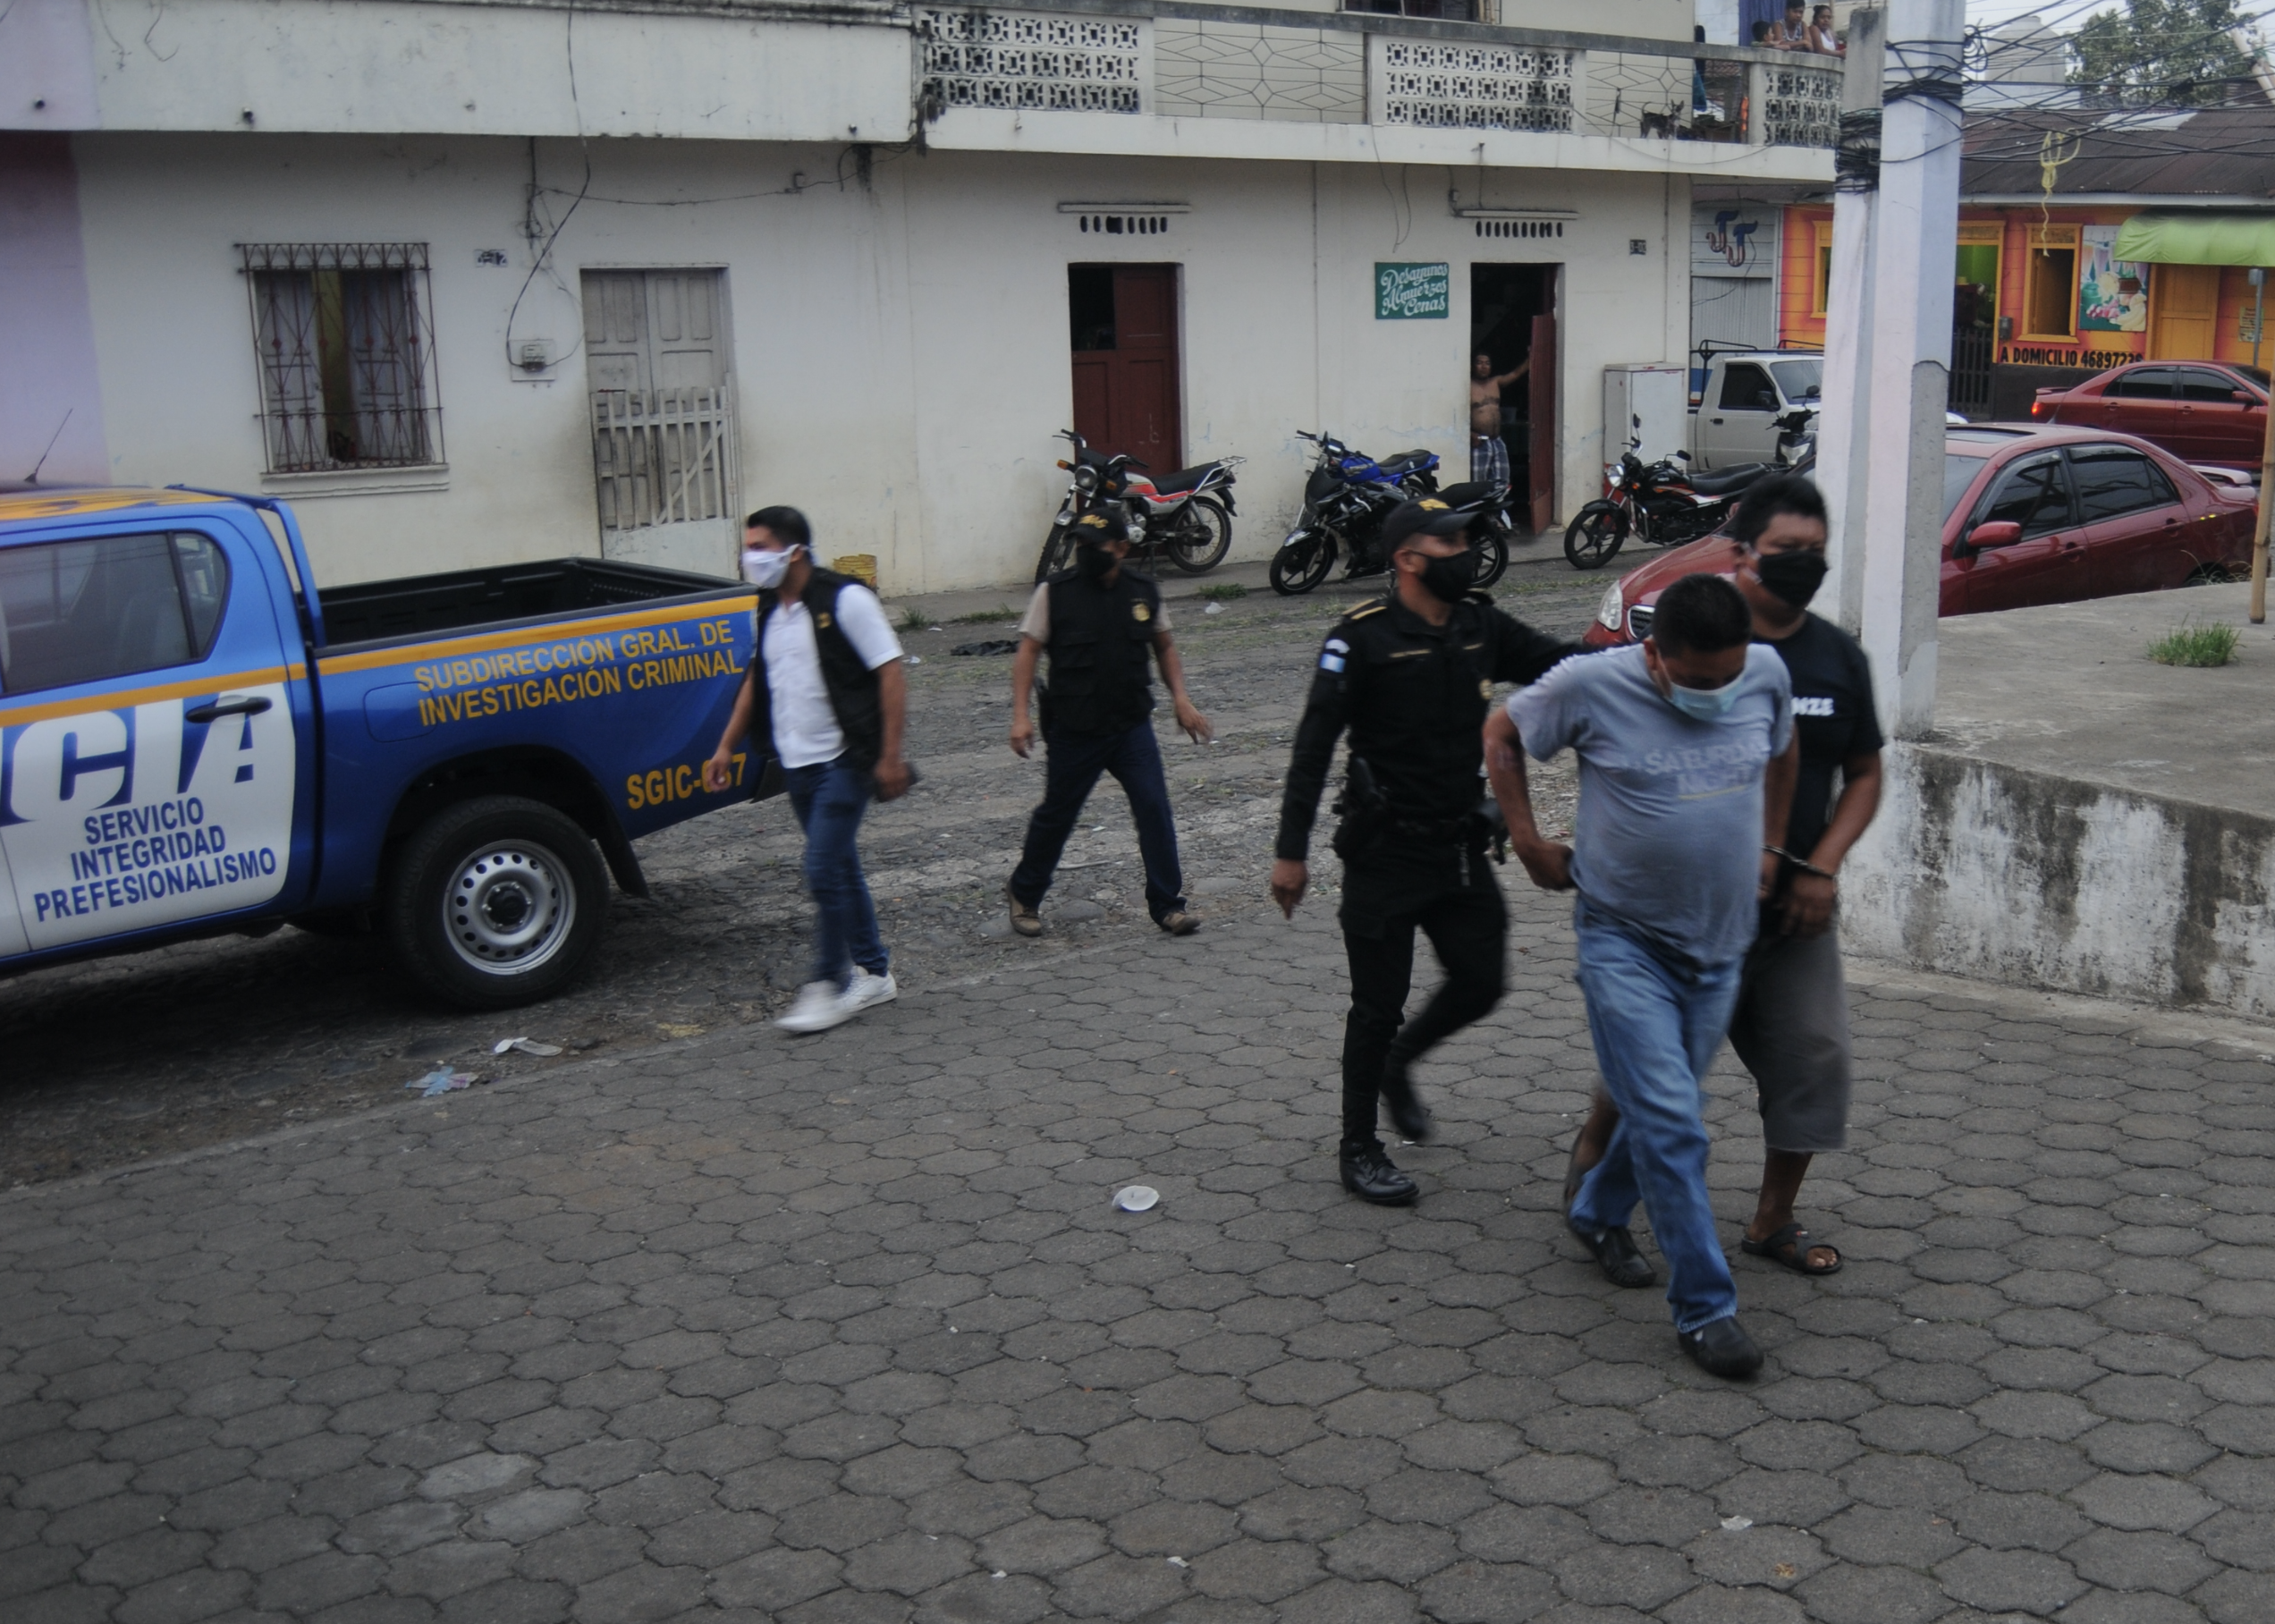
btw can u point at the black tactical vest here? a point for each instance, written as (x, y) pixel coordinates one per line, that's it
(852, 686)
(1101, 640)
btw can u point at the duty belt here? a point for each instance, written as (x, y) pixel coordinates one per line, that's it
(1440, 831)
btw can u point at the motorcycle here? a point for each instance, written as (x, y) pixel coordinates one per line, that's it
(1663, 504)
(1348, 497)
(1186, 516)
(1796, 441)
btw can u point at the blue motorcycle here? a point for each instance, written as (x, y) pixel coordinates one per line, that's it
(1348, 497)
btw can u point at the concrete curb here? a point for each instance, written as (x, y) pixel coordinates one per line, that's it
(2010, 874)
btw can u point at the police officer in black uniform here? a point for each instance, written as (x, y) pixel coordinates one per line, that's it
(1410, 675)
(1101, 623)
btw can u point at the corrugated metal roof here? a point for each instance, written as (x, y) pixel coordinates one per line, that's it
(2217, 152)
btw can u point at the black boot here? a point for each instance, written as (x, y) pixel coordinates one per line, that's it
(1408, 1114)
(1371, 1176)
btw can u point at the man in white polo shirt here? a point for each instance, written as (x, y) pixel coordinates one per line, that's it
(826, 696)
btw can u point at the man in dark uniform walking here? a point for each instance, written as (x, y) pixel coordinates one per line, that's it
(1100, 624)
(1410, 675)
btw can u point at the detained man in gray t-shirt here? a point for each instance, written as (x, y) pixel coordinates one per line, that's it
(1688, 757)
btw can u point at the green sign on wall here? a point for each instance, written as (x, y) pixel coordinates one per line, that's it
(1412, 293)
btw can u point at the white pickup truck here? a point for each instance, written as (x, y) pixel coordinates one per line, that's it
(1747, 391)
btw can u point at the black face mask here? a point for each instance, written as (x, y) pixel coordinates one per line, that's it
(1095, 561)
(1794, 577)
(1450, 579)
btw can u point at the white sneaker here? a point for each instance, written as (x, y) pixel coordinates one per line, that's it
(868, 988)
(821, 1005)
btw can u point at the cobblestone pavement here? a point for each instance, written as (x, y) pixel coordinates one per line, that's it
(845, 1329)
(119, 1058)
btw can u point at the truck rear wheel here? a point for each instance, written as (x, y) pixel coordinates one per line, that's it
(496, 902)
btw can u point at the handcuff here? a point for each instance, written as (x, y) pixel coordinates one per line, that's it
(1803, 864)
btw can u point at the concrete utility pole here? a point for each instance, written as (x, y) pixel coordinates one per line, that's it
(1908, 357)
(1844, 410)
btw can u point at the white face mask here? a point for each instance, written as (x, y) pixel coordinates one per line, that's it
(764, 569)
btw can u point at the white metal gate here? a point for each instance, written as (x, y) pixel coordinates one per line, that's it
(664, 456)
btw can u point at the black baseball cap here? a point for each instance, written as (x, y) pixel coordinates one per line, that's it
(1102, 525)
(1428, 517)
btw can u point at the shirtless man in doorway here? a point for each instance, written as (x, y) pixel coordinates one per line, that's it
(1488, 452)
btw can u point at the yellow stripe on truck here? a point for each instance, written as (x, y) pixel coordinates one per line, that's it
(114, 698)
(428, 654)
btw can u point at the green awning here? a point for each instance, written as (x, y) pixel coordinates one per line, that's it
(2205, 239)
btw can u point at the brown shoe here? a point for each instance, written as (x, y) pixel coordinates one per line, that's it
(1179, 923)
(1024, 920)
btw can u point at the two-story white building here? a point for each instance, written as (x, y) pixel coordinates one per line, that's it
(480, 280)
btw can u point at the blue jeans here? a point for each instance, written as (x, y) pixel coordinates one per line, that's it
(830, 798)
(1071, 769)
(1656, 1026)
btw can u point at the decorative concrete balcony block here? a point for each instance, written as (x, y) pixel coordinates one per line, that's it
(1800, 107)
(1472, 86)
(1032, 60)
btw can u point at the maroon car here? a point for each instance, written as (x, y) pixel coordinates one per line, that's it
(2212, 412)
(2030, 516)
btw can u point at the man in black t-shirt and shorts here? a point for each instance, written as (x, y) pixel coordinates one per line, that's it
(1791, 1027)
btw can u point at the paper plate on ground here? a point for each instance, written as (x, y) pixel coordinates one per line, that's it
(1136, 1199)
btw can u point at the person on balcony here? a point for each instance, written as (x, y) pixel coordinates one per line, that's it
(1822, 39)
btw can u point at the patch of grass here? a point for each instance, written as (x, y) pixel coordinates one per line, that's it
(2204, 646)
(913, 619)
(988, 617)
(1223, 590)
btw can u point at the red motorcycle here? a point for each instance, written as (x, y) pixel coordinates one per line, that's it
(1663, 504)
(1186, 516)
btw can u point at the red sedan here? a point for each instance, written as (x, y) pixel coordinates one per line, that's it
(2212, 412)
(2030, 516)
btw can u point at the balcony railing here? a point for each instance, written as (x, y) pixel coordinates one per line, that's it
(1352, 67)
(1032, 60)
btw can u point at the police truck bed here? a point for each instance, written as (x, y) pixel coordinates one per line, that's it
(420, 605)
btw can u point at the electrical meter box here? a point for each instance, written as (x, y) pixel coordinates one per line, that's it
(1649, 401)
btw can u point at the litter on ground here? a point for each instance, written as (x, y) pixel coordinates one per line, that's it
(441, 1079)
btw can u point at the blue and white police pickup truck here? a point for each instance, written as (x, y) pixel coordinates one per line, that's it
(195, 740)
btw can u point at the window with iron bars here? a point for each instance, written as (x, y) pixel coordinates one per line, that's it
(343, 338)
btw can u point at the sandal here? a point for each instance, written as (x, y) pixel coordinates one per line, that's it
(1616, 1254)
(1789, 1249)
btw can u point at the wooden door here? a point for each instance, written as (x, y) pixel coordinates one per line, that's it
(2184, 311)
(684, 329)
(1127, 396)
(646, 330)
(1541, 451)
(616, 330)
(663, 417)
